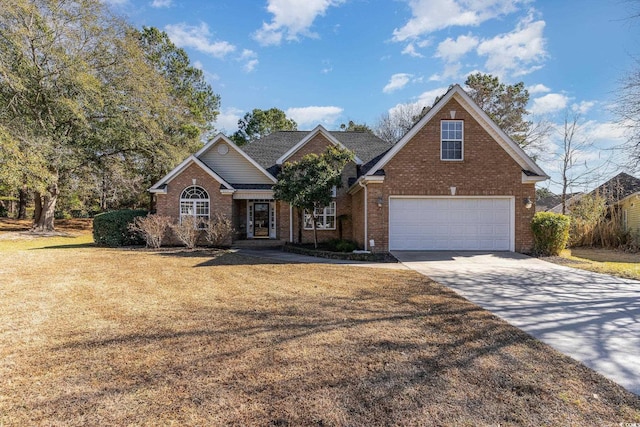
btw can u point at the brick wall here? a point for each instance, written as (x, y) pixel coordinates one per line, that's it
(169, 204)
(487, 170)
(318, 145)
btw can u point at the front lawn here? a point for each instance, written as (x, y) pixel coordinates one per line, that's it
(94, 336)
(607, 261)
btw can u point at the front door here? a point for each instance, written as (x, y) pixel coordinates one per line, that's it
(261, 220)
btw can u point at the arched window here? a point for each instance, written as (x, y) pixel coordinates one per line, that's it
(194, 202)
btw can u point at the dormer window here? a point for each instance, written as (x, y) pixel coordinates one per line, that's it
(451, 140)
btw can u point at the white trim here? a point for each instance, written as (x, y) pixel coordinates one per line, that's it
(637, 193)
(526, 179)
(461, 141)
(290, 224)
(181, 167)
(317, 130)
(512, 212)
(307, 216)
(356, 186)
(220, 137)
(513, 149)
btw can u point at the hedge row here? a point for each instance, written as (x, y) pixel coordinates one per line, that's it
(112, 228)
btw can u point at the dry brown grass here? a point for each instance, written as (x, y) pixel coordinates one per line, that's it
(606, 261)
(92, 336)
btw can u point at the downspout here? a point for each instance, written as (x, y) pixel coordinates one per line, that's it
(366, 231)
(290, 224)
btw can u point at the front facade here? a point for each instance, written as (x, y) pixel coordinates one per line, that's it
(454, 182)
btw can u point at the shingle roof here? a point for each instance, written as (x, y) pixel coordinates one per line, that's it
(618, 187)
(270, 148)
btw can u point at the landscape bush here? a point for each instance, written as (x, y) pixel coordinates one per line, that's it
(550, 233)
(112, 228)
(152, 227)
(340, 245)
(187, 231)
(219, 230)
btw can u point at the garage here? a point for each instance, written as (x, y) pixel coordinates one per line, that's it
(451, 223)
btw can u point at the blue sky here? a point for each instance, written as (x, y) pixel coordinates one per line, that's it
(331, 61)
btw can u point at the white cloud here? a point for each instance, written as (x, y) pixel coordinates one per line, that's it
(116, 2)
(607, 134)
(583, 107)
(227, 120)
(197, 37)
(549, 103)
(452, 50)
(411, 51)
(250, 65)
(518, 52)
(427, 98)
(539, 88)
(291, 18)
(397, 82)
(161, 3)
(250, 59)
(432, 15)
(312, 115)
(449, 73)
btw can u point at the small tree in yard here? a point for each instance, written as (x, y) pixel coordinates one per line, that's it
(307, 183)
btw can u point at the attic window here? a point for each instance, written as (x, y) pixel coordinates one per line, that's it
(451, 140)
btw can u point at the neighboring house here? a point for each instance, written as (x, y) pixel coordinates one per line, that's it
(622, 191)
(553, 202)
(455, 181)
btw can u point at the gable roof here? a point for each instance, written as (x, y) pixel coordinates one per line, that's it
(161, 185)
(318, 130)
(531, 171)
(614, 190)
(221, 137)
(269, 149)
(619, 187)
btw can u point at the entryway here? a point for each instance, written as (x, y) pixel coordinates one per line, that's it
(261, 219)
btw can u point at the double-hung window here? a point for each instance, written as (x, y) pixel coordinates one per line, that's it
(451, 140)
(325, 218)
(194, 203)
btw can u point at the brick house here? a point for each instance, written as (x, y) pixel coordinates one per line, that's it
(455, 181)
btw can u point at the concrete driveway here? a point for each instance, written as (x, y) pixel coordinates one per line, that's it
(594, 318)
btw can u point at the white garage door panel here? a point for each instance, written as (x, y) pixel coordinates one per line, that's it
(450, 224)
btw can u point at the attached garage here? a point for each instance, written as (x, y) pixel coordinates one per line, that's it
(451, 223)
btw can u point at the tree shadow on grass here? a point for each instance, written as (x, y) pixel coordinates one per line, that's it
(219, 257)
(415, 353)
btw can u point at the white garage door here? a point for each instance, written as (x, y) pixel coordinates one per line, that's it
(450, 224)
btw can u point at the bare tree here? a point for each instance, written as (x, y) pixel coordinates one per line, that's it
(628, 112)
(395, 123)
(573, 171)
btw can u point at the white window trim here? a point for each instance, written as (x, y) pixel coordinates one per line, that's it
(322, 218)
(461, 141)
(192, 204)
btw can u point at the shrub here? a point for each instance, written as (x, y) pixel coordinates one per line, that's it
(340, 245)
(112, 228)
(587, 218)
(550, 233)
(152, 227)
(219, 230)
(187, 231)
(346, 246)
